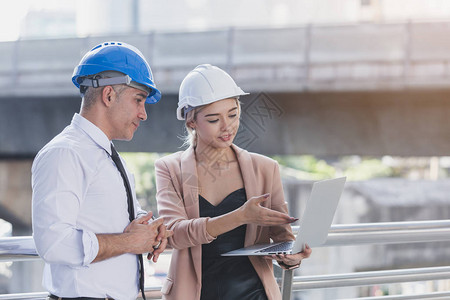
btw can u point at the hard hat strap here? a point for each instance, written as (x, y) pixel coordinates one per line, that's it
(187, 109)
(96, 82)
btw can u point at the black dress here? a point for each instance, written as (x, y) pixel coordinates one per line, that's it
(228, 278)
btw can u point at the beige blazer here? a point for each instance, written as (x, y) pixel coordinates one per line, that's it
(177, 197)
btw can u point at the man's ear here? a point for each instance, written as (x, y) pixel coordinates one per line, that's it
(108, 95)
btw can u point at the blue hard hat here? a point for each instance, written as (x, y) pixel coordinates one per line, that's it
(121, 57)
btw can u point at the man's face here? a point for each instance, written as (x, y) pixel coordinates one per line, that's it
(126, 112)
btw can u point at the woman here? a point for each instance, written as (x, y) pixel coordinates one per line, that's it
(217, 197)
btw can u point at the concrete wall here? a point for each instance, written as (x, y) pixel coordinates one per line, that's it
(15, 195)
(403, 123)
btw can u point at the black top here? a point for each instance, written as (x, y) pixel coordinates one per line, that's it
(228, 277)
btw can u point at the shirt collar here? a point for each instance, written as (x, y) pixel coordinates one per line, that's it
(95, 133)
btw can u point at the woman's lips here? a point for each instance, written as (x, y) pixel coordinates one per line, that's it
(226, 137)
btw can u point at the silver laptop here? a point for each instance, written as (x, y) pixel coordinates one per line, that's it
(314, 225)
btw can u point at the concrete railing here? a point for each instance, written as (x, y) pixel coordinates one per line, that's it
(22, 248)
(315, 57)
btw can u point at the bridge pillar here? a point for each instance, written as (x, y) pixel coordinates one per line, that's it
(15, 194)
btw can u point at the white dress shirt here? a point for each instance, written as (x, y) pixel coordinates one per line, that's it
(78, 192)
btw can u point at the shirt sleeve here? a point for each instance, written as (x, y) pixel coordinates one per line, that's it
(139, 211)
(59, 181)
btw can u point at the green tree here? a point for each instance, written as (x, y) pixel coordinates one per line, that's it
(142, 165)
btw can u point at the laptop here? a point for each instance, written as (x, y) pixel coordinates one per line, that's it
(314, 225)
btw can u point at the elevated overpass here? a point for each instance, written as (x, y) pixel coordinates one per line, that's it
(367, 89)
(350, 89)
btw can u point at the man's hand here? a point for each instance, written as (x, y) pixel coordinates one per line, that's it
(140, 236)
(156, 232)
(162, 239)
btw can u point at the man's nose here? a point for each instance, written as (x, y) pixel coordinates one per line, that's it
(143, 113)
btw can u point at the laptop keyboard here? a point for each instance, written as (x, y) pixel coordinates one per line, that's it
(283, 247)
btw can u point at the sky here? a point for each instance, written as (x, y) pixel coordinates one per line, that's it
(11, 18)
(96, 17)
(13, 14)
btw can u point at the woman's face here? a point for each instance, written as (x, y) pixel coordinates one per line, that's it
(217, 124)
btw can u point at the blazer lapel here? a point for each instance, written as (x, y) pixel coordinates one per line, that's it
(250, 184)
(190, 192)
(189, 181)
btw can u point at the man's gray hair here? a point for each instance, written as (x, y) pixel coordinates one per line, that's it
(90, 94)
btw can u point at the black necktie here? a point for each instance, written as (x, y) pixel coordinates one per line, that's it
(115, 157)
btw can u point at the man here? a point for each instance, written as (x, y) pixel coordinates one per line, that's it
(87, 225)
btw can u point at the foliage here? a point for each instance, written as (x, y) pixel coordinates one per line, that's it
(354, 167)
(308, 166)
(305, 167)
(366, 169)
(142, 165)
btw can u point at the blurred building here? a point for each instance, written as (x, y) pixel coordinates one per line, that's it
(374, 201)
(105, 17)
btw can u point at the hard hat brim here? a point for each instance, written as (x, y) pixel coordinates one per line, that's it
(180, 115)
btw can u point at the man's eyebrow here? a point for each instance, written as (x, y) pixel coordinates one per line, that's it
(142, 95)
(211, 115)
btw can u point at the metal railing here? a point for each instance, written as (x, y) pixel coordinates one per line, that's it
(22, 248)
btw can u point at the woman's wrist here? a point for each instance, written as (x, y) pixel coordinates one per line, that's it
(239, 215)
(286, 266)
(224, 223)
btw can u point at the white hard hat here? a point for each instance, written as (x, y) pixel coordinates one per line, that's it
(203, 85)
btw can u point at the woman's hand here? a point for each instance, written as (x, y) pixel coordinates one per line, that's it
(250, 213)
(253, 213)
(287, 260)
